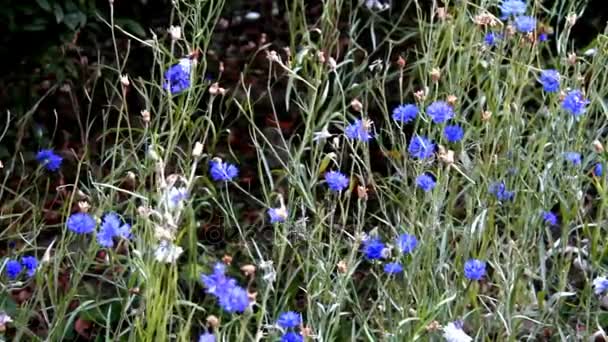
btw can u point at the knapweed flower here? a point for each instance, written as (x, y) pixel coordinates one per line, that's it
(373, 248)
(550, 80)
(49, 159)
(573, 158)
(598, 170)
(177, 77)
(425, 182)
(512, 8)
(405, 113)
(420, 147)
(499, 190)
(440, 111)
(453, 333)
(112, 227)
(206, 337)
(174, 197)
(550, 218)
(393, 268)
(336, 181)
(453, 133)
(359, 130)
(289, 319)
(600, 285)
(234, 299)
(167, 252)
(278, 214)
(474, 269)
(292, 337)
(31, 264)
(81, 223)
(222, 171)
(574, 103)
(13, 269)
(406, 243)
(525, 24)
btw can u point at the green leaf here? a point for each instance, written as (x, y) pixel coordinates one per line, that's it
(44, 4)
(58, 11)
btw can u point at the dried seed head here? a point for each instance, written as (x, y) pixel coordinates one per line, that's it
(356, 105)
(273, 56)
(485, 19)
(362, 192)
(124, 80)
(342, 266)
(401, 62)
(215, 89)
(420, 95)
(213, 321)
(143, 211)
(597, 145)
(433, 326)
(571, 58)
(197, 151)
(486, 115)
(452, 99)
(145, 116)
(175, 32)
(332, 63)
(321, 56)
(227, 259)
(84, 206)
(306, 331)
(571, 19)
(442, 13)
(248, 270)
(446, 156)
(252, 296)
(435, 74)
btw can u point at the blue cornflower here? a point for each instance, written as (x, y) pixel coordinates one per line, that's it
(474, 269)
(112, 227)
(453, 133)
(175, 196)
(393, 268)
(206, 337)
(292, 337)
(440, 111)
(550, 80)
(359, 130)
(222, 171)
(598, 170)
(600, 285)
(289, 319)
(30, 263)
(81, 223)
(234, 299)
(336, 181)
(525, 24)
(406, 243)
(491, 38)
(543, 37)
(512, 8)
(550, 218)
(421, 147)
(217, 282)
(278, 214)
(177, 77)
(573, 157)
(575, 103)
(49, 159)
(425, 182)
(405, 113)
(373, 248)
(499, 190)
(13, 269)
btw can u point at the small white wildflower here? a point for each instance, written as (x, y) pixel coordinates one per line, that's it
(590, 52)
(174, 197)
(124, 79)
(376, 5)
(175, 32)
(323, 134)
(198, 149)
(269, 274)
(252, 16)
(453, 333)
(600, 285)
(167, 252)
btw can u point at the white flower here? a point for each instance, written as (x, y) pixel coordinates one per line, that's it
(175, 32)
(376, 5)
(174, 197)
(600, 285)
(4, 318)
(167, 252)
(323, 134)
(454, 333)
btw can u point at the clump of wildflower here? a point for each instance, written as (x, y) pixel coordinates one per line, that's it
(405, 113)
(525, 24)
(373, 248)
(13, 269)
(393, 268)
(177, 77)
(573, 158)
(81, 223)
(425, 182)
(49, 159)
(420, 147)
(453, 133)
(513, 8)
(549, 80)
(550, 218)
(359, 130)
(406, 243)
(474, 269)
(112, 227)
(222, 171)
(30, 263)
(289, 319)
(336, 181)
(206, 337)
(440, 111)
(232, 297)
(598, 170)
(574, 103)
(499, 190)
(292, 337)
(453, 332)
(600, 285)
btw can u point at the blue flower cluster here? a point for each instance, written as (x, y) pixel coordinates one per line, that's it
(425, 182)
(405, 113)
(222, 171)
(177, 77)
(359, 130)
(290, 320)
(499, 189)
(516, 9)
(375, 249)
(550, 80)
(231, 297)
(550, 218)
(111, 227)
(14, 267)
(336, 181)
(575, 103)
(474, 269)
(49, 159)
(421, 147)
